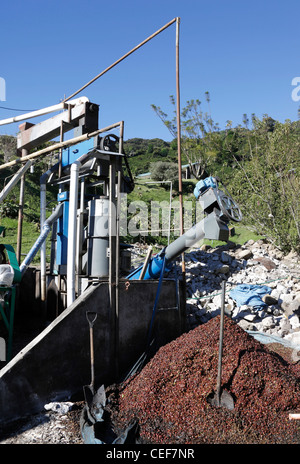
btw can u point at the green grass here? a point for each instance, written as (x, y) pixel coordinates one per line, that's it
(30, 232)
(147, 190)
(242, 235)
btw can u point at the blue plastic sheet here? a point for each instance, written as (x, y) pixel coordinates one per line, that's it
(251, 295)
(265, 338)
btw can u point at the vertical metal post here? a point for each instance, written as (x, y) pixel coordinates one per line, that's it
(117, 269)
(118, 205)
(179, 140)
(178, 125)
(112, 224)
(219, 377)
(112, 257)
(20, 213)
(72, 232)
(170, 213)
(80, 237)
(62, 124)
(58, 278)
(60, 151)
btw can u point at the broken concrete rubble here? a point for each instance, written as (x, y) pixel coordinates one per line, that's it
(253, 263)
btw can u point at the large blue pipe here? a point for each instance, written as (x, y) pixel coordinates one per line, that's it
(41, 239)
(153, 270)
(173, 250)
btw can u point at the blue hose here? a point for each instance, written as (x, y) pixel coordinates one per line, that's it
(154, 268)
(39, 242)
(156, 300)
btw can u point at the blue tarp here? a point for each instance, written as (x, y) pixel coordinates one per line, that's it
(251, 295)
(203, 185)
(265, 338)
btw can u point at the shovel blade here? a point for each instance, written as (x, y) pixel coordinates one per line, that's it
(225, 400)
(88, 395)
(95, 402)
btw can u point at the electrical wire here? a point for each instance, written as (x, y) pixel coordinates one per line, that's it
(13, 109)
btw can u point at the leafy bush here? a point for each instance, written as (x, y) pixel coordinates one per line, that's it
(9, 209)
(162, 170)
(266, 181)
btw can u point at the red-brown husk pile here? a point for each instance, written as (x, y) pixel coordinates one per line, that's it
(169, 396)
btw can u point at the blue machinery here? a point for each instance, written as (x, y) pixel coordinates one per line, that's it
(84, 226)
(83, 247)
(85, 244)
(218, 207)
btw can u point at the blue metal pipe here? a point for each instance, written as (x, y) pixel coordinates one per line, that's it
(41, 239)
(182, 243)
(161, 277)
(154, 268)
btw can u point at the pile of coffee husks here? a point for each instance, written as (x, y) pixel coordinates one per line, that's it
(169, 397)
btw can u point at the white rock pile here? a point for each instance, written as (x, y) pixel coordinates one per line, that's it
(255, 263)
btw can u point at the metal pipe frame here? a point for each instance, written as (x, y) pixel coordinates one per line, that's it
(122, 58)
(57, 146)
(41, 112)
(43, 181)
(14, 180)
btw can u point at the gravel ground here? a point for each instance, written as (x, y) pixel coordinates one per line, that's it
(49, 427)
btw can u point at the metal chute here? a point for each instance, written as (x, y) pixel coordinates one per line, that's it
(218, 207)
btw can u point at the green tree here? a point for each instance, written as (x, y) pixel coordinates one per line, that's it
(200, 140)
(162, 171)
(8, 147)
(266, 179)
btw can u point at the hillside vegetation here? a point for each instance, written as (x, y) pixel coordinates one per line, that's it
(259, 166)
(258, 161)
(142, 153)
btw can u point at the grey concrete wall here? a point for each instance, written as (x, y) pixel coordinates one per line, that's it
(56, 364)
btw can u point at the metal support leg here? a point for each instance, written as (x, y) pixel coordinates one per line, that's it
(7, 311)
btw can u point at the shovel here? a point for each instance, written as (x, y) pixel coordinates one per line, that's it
(89, 390)
(221, 399)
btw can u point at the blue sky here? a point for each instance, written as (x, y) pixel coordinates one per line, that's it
(244, 53)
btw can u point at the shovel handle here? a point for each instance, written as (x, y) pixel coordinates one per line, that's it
(221, 341)
(91, 317)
